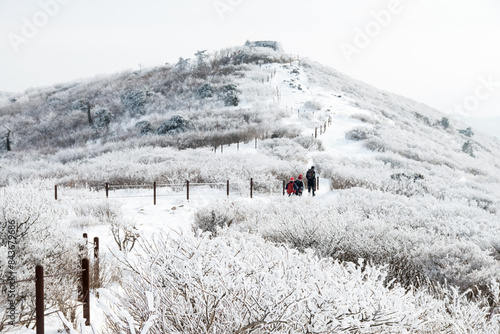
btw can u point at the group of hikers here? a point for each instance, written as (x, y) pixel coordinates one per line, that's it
(295, 187)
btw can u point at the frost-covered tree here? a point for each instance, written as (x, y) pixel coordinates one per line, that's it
(85, 106)
(182, 64)
(144, 127)
(230, 95)
(468, 148)
(444, 122)
(205, 91)
(175, 124)
(102, 118)
(134, 101)
(467, 132)
(6, 142)
(201, 57)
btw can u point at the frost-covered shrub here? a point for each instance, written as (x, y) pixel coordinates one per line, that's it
(102, 118)
(375, 144)
(385, 229)
(310, 143)
(468, 148)
(81, 105)
(144, 127)
(134, 101)
(239, 284)
(230, 95)
(284, 149)
(31, 233)
(313, 105)
(365, 118)
(360, 133)
(221, 214)
(175, 124)
(466, 132)
(444, 122)
(205, 91)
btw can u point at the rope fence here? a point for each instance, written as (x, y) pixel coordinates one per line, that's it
(272, 187)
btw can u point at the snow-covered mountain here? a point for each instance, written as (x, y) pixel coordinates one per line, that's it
(402, 237)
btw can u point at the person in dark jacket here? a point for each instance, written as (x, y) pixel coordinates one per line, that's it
(300, 186)
(311, 180)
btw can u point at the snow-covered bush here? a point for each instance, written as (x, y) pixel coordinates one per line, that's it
(241, 284)
(230, 95)
(468, 148)
(381, 228)
(134, 101)
(313, 105)
(30, 234)
(360, 133)
(205, 91)
(173, 125)
(144, 127)
(102, 118)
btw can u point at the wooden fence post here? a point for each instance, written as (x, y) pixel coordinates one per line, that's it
(251, 188)
(284, 187)
(238, 146)
(107, 189)
(187, 187)
(317, 183)
(96, 264)
(255, 142)
(227, 186)
(316, 132)
(221, 148)
(154, 193)
(40, 307)
(55, 191)
(86, 290)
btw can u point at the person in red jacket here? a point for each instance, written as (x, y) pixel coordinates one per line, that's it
(291, 187)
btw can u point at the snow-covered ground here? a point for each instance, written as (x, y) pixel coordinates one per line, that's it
(310, 106)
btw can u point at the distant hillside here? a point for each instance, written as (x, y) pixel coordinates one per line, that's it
(404, 188)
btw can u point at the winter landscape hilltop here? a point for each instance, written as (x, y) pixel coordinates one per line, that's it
(403, 235)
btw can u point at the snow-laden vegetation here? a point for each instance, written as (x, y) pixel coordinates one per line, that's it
(403, 236)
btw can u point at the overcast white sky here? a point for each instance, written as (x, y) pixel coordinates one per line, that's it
(442, 52)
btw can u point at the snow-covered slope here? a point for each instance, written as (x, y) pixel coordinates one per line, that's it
(403, 188)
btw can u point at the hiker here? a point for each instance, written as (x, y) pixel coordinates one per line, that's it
(311, 180)
(291, 187)
(300, 186)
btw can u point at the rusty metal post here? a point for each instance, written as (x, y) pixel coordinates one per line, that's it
(107, 189)
(96, 264)
(187, 187)
(55, 191)
(40, 307)
(154, 193)
(251, 188)
(86, 290)
(227, 187)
